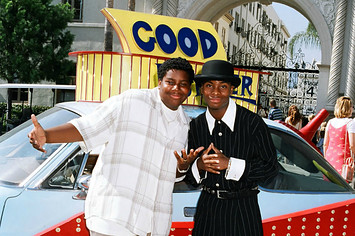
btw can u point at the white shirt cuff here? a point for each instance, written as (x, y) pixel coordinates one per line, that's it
(236, 169)
(196, 173)
(181, 178)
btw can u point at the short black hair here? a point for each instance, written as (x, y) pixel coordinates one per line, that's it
(176, 64)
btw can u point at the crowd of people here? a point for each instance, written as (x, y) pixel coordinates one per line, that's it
(146, 132)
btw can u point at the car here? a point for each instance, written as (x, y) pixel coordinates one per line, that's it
(44, 193)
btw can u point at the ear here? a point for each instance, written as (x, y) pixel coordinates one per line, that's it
(200, 89)
(232, 89)
(159, 83)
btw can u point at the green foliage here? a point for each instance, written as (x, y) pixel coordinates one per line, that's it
(34, 41)
(19, 114)
(309, 38)
(18, 109)
(39, 109)
(2, 107)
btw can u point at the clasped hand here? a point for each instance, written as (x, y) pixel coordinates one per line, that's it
(213, 163)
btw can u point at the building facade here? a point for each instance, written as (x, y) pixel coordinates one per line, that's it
(257, 39)
(332, 19)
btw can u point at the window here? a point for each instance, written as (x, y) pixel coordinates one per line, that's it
(249, 33)
(264, 19)
(228, 50)
(19, 95)
(67, 174)
(223, 35)
(77, 5)
(243, 24)
(65, 95)
(234, 51)
(236, 20)
(258, 11)
(216, 25)
(16, 164)
(302, 168)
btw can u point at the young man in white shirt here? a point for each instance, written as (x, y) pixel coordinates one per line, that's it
(131, 186)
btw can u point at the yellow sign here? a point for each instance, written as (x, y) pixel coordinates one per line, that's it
(164, 36)
(147, 41)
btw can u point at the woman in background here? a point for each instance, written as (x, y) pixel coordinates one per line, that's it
(294, 117)
(336, 139)
(321, 131)
(352, 136)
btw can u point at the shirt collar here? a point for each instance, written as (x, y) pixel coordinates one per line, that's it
(228, 117)
(170, 115)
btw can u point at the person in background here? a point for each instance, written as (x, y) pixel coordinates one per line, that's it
(336, 139)
(261, 111)
(294, 117)
(352, 143)
(310, 117)
(321, 137)
(352, 137)
(275, 113)
(131, 186)
(239, 153)
(316, 136)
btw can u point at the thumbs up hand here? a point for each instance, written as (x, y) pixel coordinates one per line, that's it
(37, 136)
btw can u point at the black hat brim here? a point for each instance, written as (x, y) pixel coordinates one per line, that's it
(234, 80)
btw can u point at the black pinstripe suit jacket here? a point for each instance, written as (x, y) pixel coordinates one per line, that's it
(250, 141)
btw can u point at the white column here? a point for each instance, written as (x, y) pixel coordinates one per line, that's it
(157, 7)
(337, 53)
(322, 86)
(172, 7)
(350, 77)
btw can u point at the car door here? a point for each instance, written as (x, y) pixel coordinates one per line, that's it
(49, 197)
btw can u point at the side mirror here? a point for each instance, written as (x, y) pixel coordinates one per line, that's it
(83, 184)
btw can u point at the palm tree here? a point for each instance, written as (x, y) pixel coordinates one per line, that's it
(108, 41)
(309, 38)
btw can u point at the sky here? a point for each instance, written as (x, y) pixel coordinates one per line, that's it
(296, 22)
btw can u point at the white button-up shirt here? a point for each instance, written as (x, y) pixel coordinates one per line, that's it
(132, 182)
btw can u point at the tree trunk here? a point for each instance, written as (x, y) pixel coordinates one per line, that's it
(108, 40)
(132, 5)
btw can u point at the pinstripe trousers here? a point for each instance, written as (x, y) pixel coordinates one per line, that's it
(227, 217)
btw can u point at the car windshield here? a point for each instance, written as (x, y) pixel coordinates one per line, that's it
(302, 169)
(18, 159)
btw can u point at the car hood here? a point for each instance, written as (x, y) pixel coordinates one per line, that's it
(6, 193)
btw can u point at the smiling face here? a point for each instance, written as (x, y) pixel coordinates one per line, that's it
(216, 94)
(174, 88)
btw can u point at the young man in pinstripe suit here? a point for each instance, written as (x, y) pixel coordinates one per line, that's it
(238, 154)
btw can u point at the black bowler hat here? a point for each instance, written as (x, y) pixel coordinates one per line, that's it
(217, 70)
